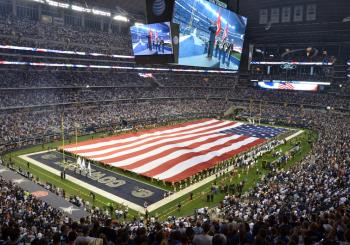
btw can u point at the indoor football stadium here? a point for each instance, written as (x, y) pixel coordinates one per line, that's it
(174, 122)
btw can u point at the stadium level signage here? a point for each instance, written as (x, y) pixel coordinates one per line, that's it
(288, 66)
(294, 63)
(219, 3)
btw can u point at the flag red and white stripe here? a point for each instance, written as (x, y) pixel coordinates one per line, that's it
(218, 25)
(169, 153)
(287, 86)
(225, 35)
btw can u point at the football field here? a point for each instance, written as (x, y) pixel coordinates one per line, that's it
(200, 144)
(167, 154)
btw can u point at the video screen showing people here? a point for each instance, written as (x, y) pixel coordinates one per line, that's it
(210, 36)
(152, 39)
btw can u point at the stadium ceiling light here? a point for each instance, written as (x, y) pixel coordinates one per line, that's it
(121, 18)
(138, 24)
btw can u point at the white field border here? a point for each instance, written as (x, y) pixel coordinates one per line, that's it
(132, 205)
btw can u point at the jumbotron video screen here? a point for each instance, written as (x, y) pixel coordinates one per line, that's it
(152, 39)
(210, 36)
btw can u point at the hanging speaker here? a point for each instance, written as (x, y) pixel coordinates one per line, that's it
(159, 11)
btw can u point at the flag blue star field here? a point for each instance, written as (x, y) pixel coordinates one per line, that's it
(263, 132)
(176, 152)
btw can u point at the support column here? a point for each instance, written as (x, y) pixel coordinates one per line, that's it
(110, 26)
(39, 12)
(14, 8)
(268, 70)
(312, 71)
(83, 20)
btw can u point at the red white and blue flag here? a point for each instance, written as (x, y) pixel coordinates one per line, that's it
(218, 25)
(177, 152)
(286, 86)
(225, 35)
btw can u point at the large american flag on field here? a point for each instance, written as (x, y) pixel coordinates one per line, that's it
(174, 153)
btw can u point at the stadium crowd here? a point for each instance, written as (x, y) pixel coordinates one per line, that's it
(29, 33)
(32, 102)
(310, 192)
(35, 78)
(21, 125)
(22, 98)
(22, 89)
(306, 204)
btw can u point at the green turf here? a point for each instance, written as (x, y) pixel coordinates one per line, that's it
(188, 206)
(237, 56)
